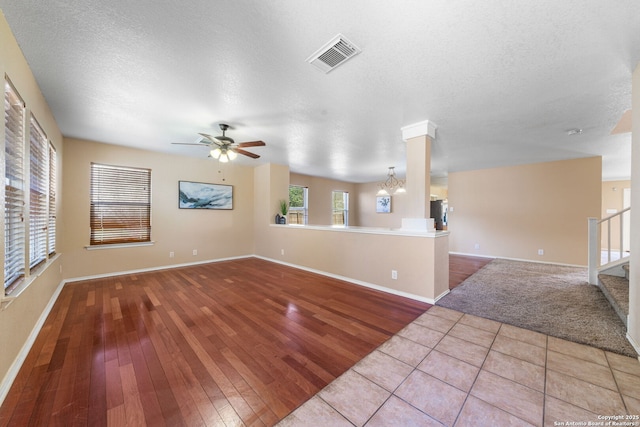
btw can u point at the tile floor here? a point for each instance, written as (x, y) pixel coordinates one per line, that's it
(454, 369)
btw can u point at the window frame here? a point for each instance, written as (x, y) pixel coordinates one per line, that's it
(113, 218)
(336, 211)
(38, 193)
(14, 189)
(295, 212)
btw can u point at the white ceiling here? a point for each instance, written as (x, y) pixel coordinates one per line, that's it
(504, 81)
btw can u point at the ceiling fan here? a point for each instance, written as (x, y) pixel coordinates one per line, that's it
(225, 148)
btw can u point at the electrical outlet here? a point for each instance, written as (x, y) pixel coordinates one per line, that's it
(394, 274)
(281, 251)
(540, 251)
(477, 246)
(171, 254)
(195, 252)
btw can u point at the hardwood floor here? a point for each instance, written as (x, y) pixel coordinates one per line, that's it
(463, 266)
(229, 343)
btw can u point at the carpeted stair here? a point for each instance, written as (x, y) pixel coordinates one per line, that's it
(616, 290)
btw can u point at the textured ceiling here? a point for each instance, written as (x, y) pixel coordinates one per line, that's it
(504, 81)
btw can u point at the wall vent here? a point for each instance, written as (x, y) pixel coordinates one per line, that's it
(333, 53)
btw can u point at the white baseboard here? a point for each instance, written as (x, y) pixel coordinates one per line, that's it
(634, 344)
(311, 270)
(157, 268)
(471, 255)
(12, 373)
(445, 293)
(517, 259)
(356, 282)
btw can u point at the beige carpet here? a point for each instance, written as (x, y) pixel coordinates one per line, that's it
(551, 299)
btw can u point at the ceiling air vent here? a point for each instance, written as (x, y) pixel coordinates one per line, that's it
(334, 53)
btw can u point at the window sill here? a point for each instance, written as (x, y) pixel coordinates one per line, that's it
(37, 272)
(118, 246)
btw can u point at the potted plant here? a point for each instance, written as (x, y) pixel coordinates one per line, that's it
(284, 208)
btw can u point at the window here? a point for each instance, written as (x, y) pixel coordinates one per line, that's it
(38, 193)
(40, 216)
(340, 205)
(51, 235)
(14, 229)
(120, 205)
(298, 204)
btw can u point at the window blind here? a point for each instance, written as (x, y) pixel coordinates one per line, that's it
(51, 235)
(120, 205)
(38, 193)
(14, 235)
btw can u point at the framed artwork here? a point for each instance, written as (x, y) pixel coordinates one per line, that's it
(383, 204)
(200, 195)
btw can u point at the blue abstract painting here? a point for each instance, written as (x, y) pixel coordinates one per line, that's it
(199, 195)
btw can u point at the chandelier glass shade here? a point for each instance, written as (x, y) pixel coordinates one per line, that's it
(223, 154)
(392, 185)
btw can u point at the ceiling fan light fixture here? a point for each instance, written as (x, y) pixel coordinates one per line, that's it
(224, 148)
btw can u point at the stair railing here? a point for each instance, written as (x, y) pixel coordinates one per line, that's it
(596, 227)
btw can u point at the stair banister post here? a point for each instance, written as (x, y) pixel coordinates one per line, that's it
(593, 251)
(621, 236)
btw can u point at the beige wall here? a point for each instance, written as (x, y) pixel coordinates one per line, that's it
(19, 317)
(214, 234)
(634, 272)
(320, 197)
(271, 184)
(612, 199)
(367, 215)
(512, 212)
(439, 192)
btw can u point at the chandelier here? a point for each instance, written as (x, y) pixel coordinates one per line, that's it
(392, 184)
(224, 154)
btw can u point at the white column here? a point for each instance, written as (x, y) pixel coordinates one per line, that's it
(418, 138)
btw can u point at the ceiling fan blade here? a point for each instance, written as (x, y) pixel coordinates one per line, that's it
(210, 138)
(191, 143)
(252, 144)
(245, 153)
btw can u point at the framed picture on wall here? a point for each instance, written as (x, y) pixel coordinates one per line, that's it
(200, 195)
(383, 204)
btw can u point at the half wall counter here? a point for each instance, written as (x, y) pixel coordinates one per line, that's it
(410, 263)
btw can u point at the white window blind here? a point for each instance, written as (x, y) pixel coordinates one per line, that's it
(51, 235)
(120, 205)
(14, 228)
(38, 193)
